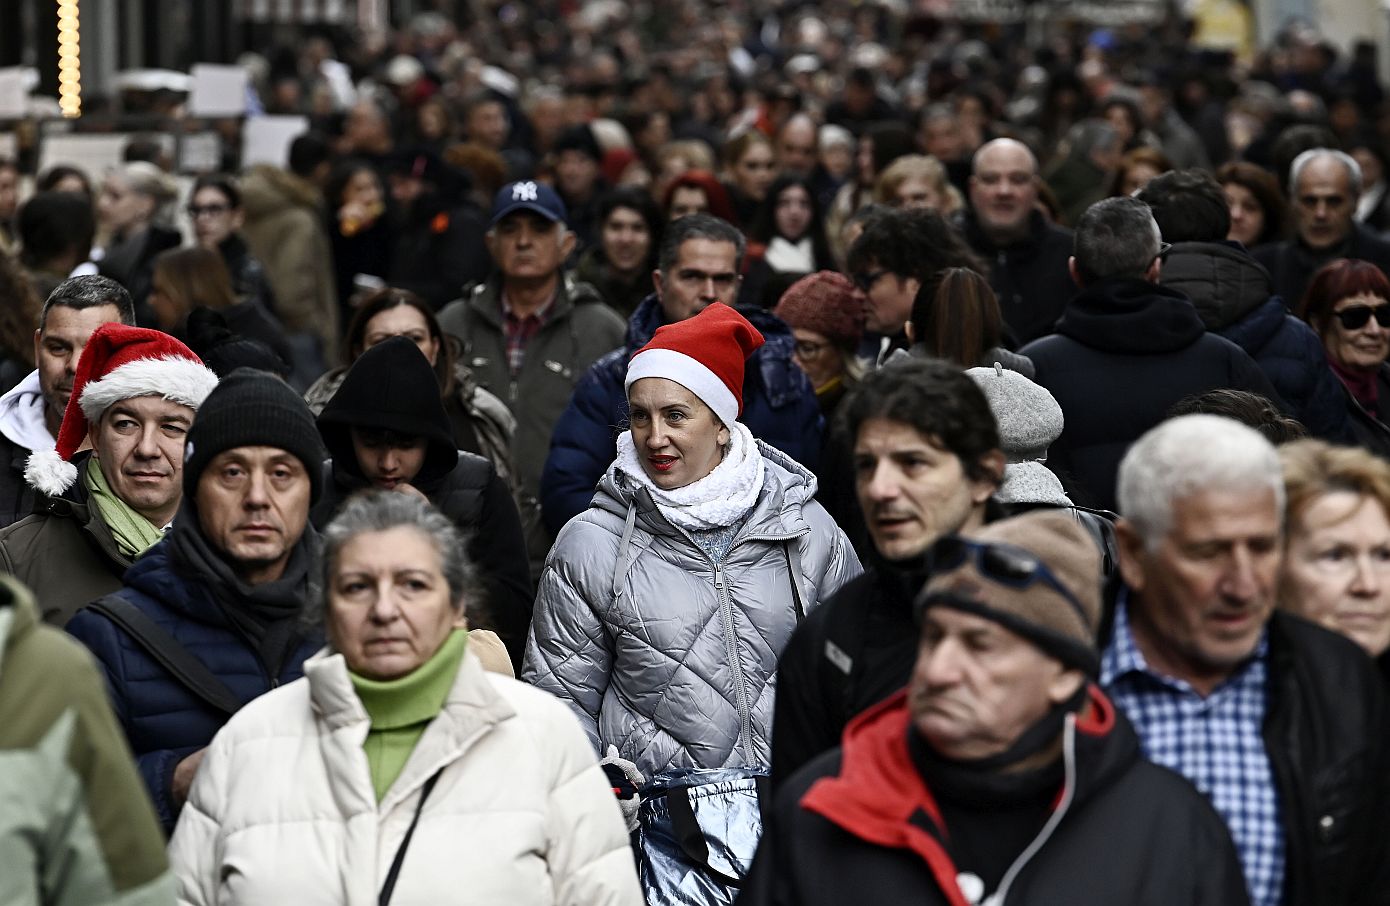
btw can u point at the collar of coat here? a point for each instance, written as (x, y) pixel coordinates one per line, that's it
(471, 709)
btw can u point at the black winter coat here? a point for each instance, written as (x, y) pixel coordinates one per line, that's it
(1125, 351)
(1029, 277)
(16, 496)
(860, 825)
(1233, 295)
(1292, 265)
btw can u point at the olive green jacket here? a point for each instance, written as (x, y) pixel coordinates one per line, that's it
(75, 824)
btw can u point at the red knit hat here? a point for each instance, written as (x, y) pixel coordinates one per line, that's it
(827, 303)
(704, 354)
(118, 363)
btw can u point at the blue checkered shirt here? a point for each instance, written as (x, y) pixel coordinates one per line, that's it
(1214, 742)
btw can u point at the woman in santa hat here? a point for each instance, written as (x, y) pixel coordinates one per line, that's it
(663, 608)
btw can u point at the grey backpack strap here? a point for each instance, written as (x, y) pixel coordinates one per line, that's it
(173, 657)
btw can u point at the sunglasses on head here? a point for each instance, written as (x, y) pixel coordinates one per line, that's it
(1001, 563)
(1355, 317)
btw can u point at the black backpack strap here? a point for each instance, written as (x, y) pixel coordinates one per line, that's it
(796, 582)
(173, 657)
(691, 838)
(389, 887)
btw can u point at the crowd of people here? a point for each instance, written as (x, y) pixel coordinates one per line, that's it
(798, 456)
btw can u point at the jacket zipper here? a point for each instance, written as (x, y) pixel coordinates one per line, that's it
(726, 616)
(1000, 896)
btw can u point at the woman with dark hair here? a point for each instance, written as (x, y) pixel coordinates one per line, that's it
(957, 318)
(19, 312)
(1257, 205)
(480, 422)
(620, 265)
(698, 192)
(787, 237)
(357, 231)
(749, 168)
(1348, 305)
(64, 178)
(189, 278)
(214, 207)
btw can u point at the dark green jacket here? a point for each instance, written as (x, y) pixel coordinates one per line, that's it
(64, 553)
(76, 826)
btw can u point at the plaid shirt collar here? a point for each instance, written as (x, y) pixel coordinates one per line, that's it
(538, 317)
(1122, 656)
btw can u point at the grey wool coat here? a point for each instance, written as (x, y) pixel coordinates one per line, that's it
(664, 653)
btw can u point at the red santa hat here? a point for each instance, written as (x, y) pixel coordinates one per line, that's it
(118, 363)
(704, 354)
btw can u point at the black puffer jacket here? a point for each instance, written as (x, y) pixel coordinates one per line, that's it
(392, 387)
(1234, 297)
(860, 825)
(1125, 351)
(1292, 264)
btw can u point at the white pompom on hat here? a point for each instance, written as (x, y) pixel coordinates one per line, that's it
(705, 354)
(118, 363)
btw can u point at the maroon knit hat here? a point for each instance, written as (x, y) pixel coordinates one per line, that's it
(827, 303)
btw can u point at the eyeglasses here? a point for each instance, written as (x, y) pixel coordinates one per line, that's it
(1002, 563)
(198, 210)
(866, 281)
(1355, 317)
(805, 349)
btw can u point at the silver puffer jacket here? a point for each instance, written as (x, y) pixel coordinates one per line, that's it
(660, 651)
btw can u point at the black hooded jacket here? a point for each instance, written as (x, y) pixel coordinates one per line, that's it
(1125, 351)
(1030, 277)
(392, 387)
(861, 824)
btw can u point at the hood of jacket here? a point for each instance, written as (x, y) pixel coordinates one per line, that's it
(1131, 316)
(268, 190)
(390, 387)
(19, 617)
(787, 487)
(570, 293)
(880, 795)
(782, 380)
(1221, 279)
(21, 415)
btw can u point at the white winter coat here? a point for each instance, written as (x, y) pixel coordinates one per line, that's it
(283, 810)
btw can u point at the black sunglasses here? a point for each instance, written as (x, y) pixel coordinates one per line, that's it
(1002, 563)
(1356, 317)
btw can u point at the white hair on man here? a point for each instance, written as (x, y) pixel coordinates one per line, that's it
(1187, 455)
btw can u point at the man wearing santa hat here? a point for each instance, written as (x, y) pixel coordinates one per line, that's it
(133, 399)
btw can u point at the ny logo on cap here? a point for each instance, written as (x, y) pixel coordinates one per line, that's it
(525, 191)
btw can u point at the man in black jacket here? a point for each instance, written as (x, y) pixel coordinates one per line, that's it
(1002, 775)
(1324, 186)
(1282, 724)
(1126, 349)
(386, 427)
(1027, 255)
(926, 462)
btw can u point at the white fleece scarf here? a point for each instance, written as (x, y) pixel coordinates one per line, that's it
(720, 499)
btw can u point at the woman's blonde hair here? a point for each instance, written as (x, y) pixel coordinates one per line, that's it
(1314, 468)
(917, 166)
(147, 179)
(195, 276)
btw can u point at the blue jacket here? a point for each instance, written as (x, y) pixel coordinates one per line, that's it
(779, 407)
(164, 721)
(1234, 297)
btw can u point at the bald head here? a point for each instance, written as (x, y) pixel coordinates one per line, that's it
(796, 145)
(1004, 188)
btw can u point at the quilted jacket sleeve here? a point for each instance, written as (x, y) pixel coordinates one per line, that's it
(836, 562)
(589, 855)
(569, 653)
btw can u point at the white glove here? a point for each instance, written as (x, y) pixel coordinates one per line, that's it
(616, 767)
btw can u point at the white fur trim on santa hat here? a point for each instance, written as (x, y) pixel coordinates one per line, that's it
(177, 379)
(690, 373)
(49, 473)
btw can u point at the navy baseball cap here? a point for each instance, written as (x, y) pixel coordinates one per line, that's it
(528, 195)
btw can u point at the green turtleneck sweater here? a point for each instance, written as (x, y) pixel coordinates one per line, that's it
(400, 709)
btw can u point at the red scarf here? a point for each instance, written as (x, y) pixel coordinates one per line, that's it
(1364, 387)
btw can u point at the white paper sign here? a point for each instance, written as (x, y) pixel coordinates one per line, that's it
(200, 152)
(14, 95)
(92, 154)
(266, 139)
(217, 90)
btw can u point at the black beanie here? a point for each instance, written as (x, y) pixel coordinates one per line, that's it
(391, 387)
(252, 408)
